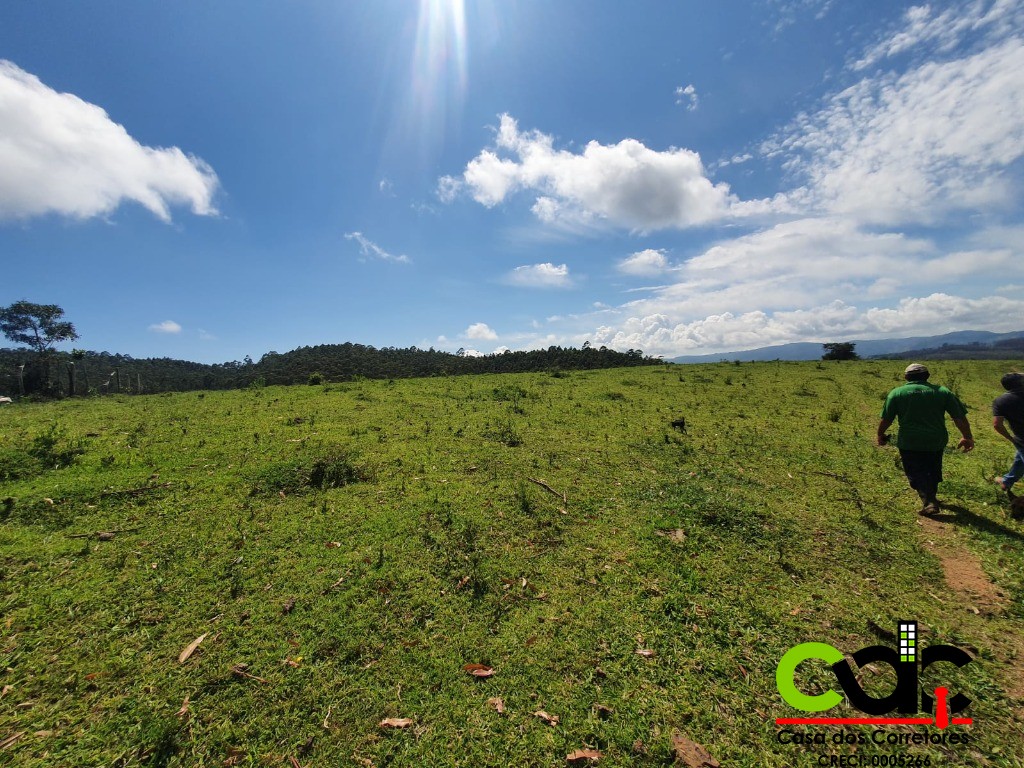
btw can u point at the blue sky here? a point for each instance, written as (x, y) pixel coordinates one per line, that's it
(213, 180)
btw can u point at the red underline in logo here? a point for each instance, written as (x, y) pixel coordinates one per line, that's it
(941, 719)
(869, 721)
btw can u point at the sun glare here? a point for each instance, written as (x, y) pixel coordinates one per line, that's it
(438, 79)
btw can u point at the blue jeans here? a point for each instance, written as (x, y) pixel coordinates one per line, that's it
(1016, 469)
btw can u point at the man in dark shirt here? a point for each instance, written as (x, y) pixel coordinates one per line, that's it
(1009, 408)
(921, 409)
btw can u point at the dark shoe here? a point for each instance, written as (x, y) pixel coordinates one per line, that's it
(1017, 508)
(931, 508)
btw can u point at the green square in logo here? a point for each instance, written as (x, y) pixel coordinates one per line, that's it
(904, 658)
(903, 634)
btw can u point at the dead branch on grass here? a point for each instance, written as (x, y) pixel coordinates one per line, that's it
(549, 489)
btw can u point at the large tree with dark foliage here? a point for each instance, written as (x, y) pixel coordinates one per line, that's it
(40, 327)
(840, 350)
(36, 325)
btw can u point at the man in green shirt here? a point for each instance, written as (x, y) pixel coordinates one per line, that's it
(921, 409)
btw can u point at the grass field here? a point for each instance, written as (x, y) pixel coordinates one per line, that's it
(345, 551)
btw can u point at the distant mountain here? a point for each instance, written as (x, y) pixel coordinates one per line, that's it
(985, 343)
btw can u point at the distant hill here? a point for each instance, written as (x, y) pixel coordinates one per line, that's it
(956, 345)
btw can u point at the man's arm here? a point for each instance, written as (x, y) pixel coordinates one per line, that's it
(967, 441)
(881, 438)
(999, 425)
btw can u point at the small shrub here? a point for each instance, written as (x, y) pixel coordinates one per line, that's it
(505, 433)
(17, 463)
(510, 393)
(43, 452)
(334, 468)
(315, 379)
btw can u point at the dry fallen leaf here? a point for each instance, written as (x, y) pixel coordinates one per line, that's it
(692, 754)
(333, 544)
(583, 756)
(549, 719)
(498, 705)
(288, 607)
(396, 722)
(235, 756)
(603, 711)
(191, 647)
(479, 670)
(645, 652)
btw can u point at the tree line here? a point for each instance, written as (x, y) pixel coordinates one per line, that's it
(81, 372)
(39, 369)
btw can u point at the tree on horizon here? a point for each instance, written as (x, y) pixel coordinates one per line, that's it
(840, 350)
(39, 327)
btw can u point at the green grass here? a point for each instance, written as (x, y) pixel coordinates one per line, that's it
(357, 544)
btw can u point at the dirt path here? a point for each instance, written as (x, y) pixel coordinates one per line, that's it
(976, 592)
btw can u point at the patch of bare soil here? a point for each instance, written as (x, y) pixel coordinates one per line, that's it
(962, 569)
(972, 588)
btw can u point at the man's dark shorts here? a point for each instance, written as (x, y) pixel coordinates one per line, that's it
(923, 469)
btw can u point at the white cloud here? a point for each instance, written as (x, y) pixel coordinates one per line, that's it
(931, 315)
(167, 326)
(789, 11)
(737, 159)
(687, 96)
(545, 275)
(793, 272)
(480, 331)
(448, 188)
(625, 184)
(646, 263)
(206, 335)
(920, 26)
(371, 249)
(916, 147)
(60, 154)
